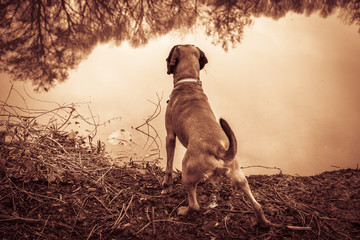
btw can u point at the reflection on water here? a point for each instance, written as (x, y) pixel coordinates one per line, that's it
(290, 90)
(43, 40)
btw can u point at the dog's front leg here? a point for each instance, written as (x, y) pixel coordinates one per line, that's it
(170, 149)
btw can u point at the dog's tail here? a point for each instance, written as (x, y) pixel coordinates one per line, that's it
(232, 150)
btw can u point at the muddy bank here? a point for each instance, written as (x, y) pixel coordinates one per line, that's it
(78, 194)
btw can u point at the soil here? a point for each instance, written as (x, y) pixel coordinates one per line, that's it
(52, 191)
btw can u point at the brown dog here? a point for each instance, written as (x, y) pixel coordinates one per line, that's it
(211, 148)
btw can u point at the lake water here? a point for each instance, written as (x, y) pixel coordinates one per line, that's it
(290, 90)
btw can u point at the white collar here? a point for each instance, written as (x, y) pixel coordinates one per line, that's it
(187, 80)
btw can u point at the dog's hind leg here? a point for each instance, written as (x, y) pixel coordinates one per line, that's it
(190, 179)
(170, 149)
(193, 203)
(239, 179)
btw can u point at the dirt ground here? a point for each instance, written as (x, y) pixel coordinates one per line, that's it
(80, 195)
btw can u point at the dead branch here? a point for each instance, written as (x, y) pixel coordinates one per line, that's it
(259, 166)
(151, 132)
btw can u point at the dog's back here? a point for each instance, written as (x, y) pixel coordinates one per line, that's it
(193, 122)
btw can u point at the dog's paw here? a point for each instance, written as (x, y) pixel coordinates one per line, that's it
(167, 190)
(264, 223)
(182, 211)
(167, 182)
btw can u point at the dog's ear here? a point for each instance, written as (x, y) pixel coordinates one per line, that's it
(202, 60)
(172, 60)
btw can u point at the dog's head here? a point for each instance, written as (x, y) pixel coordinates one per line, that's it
(174, 57)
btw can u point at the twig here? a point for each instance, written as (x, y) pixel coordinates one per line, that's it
(122, 214)
(94, 122)
(156, 113)
(7, 218)
(278, 195)
(78, 214)
(226, 227)
(238, 211)
(92, 232)
(32, 194)
(67, 120)
(259, 166)
(117, 195)
(176, 207)
(104, 174)
(299, 228)
(102, 203)
(39, 100)
(164, 220)
(153, 221)
(152, 172)
(42, 231)
(57, 144)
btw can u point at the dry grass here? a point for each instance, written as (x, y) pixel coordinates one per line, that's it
(56, 184)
